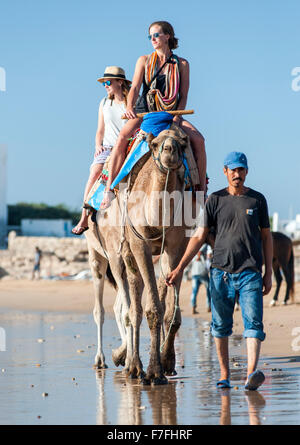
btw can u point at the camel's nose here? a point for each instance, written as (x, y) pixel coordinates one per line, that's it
(169, 147)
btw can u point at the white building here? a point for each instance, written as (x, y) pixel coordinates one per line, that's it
(46, 227)
(290, 228)
(3, 206)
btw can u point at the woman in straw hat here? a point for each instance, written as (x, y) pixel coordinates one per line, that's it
(165, 79)
(111, 109)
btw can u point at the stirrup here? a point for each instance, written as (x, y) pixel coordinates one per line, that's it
(88, 209)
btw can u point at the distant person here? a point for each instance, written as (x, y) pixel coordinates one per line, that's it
(111, 109)
(200, 275)
(165, 80)
(239, 216)
(37, 264)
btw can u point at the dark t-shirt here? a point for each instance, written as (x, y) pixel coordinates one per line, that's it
(237, 221)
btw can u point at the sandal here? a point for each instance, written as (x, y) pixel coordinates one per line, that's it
(223, 384)
(79, 230)
(108, 196)
(255, 379)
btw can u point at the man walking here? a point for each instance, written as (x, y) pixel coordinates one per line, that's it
(200, 275)
(37, 263)
(239, 216)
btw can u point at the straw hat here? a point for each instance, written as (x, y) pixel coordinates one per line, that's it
(113, 72)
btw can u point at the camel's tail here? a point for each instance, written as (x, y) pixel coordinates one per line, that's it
(292, 275)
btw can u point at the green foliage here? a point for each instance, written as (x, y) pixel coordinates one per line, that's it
(23, 210)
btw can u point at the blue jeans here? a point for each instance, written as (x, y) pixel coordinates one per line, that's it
(197, 280)
(223, 288)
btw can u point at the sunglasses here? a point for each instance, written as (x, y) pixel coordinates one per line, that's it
(155, 35)
(107, 82)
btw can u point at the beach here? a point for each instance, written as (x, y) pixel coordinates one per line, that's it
(47, 375)
(64, 296)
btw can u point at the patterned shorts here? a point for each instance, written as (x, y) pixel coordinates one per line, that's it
(101, 158)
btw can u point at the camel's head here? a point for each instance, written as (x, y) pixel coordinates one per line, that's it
(167, 149)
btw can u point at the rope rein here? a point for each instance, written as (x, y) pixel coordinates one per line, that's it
(176, 294)
(125, 217)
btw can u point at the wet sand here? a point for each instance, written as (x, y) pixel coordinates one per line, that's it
(281, 322)
(64, 389)
(47, 375)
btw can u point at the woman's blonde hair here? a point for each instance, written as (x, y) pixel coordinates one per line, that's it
(167, 28)
(125, 90)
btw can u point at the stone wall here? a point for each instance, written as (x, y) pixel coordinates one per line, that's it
(60, 256)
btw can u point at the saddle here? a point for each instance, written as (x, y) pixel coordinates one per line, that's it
(138, 154)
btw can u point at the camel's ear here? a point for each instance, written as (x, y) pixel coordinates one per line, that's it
(150, 138)
(184, 142)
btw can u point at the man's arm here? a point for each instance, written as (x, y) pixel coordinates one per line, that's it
(193, 247)
(267, 242)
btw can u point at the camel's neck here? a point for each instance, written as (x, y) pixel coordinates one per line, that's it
(153, 183)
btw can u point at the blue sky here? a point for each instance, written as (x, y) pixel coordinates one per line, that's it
(241, 56)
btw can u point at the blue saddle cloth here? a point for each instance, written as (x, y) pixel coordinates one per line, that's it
(152, 123)
(156, 122)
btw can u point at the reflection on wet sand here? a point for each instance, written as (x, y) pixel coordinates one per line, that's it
(129, 406)
(101, 406)
(80, 395)
(162, 401)
(255, 402)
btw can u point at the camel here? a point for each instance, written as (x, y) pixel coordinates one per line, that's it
(129, 249)
(283, 259)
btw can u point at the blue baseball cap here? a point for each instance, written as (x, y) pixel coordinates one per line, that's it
(236, 159)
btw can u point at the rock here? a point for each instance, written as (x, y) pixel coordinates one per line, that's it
(236, 365)
(60, 255)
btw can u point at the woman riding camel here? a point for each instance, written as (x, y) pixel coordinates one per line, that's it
(111, 109)
(165, 79)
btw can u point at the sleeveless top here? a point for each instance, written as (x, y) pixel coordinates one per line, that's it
(165, 87)
(113, 123)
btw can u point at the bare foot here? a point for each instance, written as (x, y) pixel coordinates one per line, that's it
(107, 199)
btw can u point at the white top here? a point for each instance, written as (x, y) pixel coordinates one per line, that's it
(113, 123)
(201, 267)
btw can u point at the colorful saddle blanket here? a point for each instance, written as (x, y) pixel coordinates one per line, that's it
(152, 123)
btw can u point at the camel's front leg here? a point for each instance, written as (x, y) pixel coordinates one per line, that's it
(153, 311)
(172, 315)
(172, 322)
(98, 267)
(135, 366)
(162, 291)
